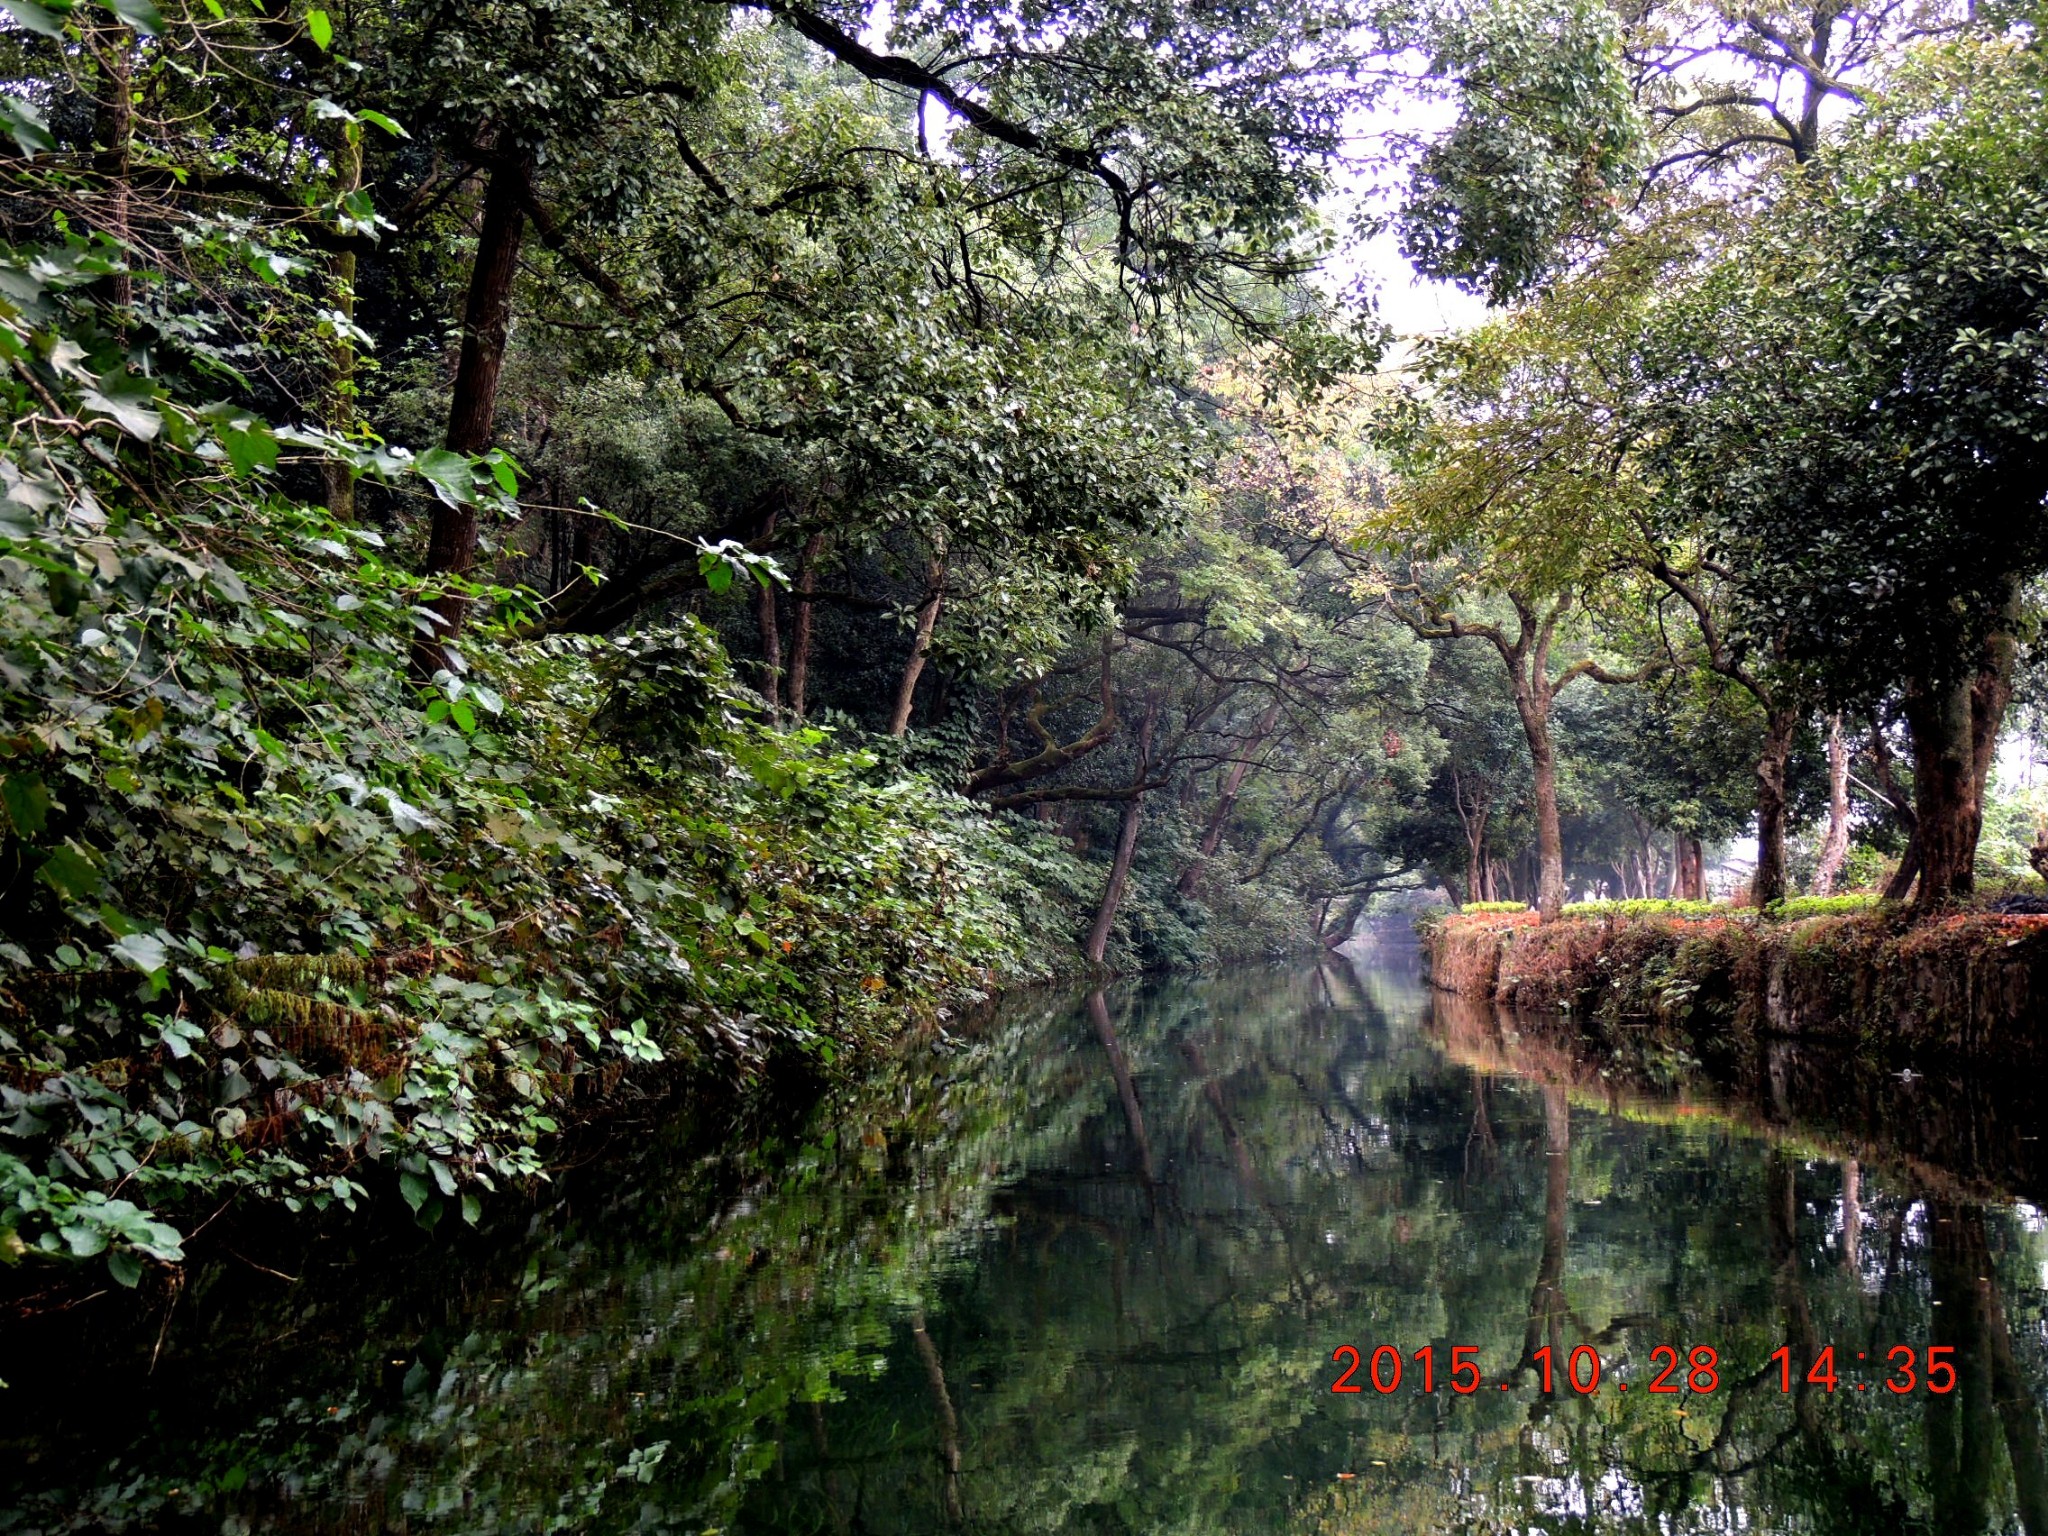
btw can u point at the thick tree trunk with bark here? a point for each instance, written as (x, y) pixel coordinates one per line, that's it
(1534, 706)
(1955, 728)
(920, 645)
(1689, 867)
(800, 626)
(1768, 884)
(1834, 848)
(472, 409)
(1944, 789)
(113, 132)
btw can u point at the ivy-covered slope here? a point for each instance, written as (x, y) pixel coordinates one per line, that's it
(277, 917)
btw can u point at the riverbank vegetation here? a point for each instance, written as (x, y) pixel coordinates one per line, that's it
(556, 552)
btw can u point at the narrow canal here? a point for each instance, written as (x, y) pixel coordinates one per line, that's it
(1092, 1266)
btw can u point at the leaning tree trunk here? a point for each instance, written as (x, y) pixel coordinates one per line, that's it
(1769, 884)
(473, 407)
(1834, 850)
(920, 647)
(1126, 846)
(1226, 801)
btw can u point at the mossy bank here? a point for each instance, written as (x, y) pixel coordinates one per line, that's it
(1973, 984)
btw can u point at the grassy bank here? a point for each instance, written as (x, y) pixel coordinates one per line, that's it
(1973, 983)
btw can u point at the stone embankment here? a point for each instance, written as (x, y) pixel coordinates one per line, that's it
(1973, 984)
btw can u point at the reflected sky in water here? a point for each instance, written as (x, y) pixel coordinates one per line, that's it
(1083, 1269)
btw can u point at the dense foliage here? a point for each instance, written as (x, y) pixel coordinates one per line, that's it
(555, 550)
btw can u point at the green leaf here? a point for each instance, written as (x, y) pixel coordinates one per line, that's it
(125, 1266)
(320, 29)
(249, 447)
(139, 14)
(389, 125)
(25, 125)
(71, 872)
(472, 1209)
(451, 474)
(27, 799)
(38, 19)
(129, 399)
(84, 1241)
(414, 1188)
(505, 472)
(144, 951)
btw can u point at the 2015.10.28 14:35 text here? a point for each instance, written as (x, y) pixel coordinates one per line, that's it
(1901, 1369)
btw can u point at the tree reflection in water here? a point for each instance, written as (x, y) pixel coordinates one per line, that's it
(1084, 1272)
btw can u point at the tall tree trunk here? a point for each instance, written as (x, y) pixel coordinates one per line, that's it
(1473, 817)
(771, 651)
(1938, 714)
(1955, 728)
(920, 645)
(1226, 800)
(472, 410)
(767, 620)
(1769, 883)
(1834, 849)
(1689, 877)
(113, 135)
(341, 382)
(800, 626)
(1944, 789)
(1126, 845)
(1535, 712)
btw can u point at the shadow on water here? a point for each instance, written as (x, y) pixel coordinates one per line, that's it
(1085, 1271)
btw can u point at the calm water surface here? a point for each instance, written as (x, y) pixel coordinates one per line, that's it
(1085, 1272)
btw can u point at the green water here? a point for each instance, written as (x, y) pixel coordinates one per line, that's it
(1084, 1268)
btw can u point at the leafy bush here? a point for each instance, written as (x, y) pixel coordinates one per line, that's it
(1792, 908)
(1651, 907)
(279, 918)
(1474, 907)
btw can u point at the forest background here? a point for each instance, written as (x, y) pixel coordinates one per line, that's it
(558, 549)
